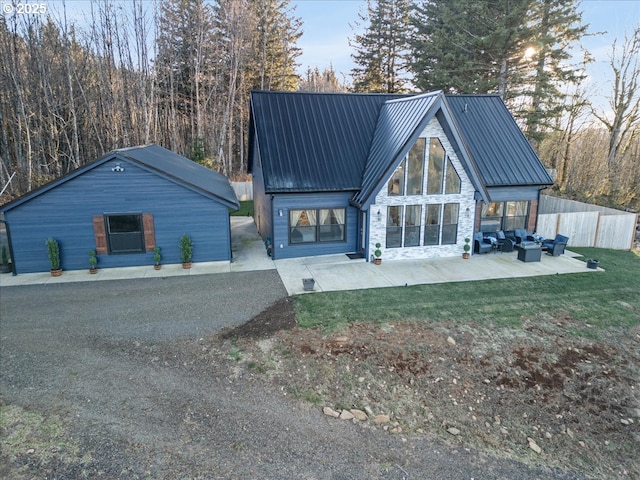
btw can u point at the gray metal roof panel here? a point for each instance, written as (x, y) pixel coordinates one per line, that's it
(314, 141)
(500, 150)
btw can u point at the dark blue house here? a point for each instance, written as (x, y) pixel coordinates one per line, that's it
(340, 173)
(123, 205)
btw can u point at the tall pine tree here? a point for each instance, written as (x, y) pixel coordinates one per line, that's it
(381, 56)
(275, 48)
(519, 50)
(557, 27)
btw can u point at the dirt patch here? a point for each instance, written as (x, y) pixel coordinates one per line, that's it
(574, 395)
(278, 316)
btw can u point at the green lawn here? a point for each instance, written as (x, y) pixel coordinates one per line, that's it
(246, 209)
(602, 299)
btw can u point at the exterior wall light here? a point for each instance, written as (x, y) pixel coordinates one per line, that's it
(379, 215)
(279, 212)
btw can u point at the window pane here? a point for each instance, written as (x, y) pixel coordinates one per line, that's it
(493, 209)
(452, 184)
(491, 219)
(332, 224)
(450, 223)
(449, 234)
(432, 225)
(416, 168)
(125, 234)
(450, 213)
(516, 209)
(396, 184)
(124, 223)
(394, 226)
(412, 225)
(302, 225)
(436, 167)
(511, 223)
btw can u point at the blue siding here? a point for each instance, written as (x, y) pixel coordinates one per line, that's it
(65, 213)
(285, 202)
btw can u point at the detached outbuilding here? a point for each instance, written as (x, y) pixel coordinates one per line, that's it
(123, 206)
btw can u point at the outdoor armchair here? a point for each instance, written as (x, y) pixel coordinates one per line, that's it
(556, 246)
(522, 235)
(504, 244)
(481, 244)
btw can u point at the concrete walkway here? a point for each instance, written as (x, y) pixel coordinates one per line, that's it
(330, 272)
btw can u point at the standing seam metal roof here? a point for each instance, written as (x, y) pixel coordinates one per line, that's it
(314, 141)
(501, 151)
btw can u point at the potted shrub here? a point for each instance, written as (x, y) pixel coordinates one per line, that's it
(53, 250)
(4, 261)
(186, 250)
(377, 254)
(156, 258)
(466, 248)
(93, 261)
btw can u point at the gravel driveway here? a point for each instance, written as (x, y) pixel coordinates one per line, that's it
(111, 360)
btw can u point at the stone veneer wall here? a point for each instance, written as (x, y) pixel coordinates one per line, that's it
(377, 228)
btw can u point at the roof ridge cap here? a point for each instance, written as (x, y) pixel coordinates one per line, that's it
(414, 97)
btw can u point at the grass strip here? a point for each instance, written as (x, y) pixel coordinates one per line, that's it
(604, 299)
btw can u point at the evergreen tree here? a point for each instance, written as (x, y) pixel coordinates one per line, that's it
(185, 68)
(557, 26)
(382, 50)
(518, 50)
(468, 47)
(275, 48)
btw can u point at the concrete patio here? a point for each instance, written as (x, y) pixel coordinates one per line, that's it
(330, 272)
(337, 272)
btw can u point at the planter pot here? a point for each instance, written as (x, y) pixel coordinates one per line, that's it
(377, 261)
(186, 265)
(593, 264)
(93, 271)
(157, 267)
(466, 255)
(8, 268)
(308, 284)
(56, 273)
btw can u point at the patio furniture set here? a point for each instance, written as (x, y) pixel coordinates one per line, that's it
(529, 245)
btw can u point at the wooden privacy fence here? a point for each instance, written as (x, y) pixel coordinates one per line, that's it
(586, 225)
(244, 190)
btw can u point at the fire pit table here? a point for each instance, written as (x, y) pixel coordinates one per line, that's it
(529, 252)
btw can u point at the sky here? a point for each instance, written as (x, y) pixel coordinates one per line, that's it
(327, 28)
